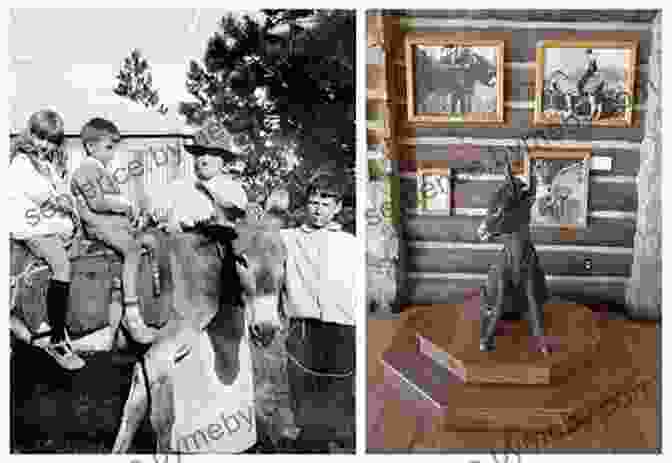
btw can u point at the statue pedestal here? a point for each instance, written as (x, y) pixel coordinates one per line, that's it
(434, 361)
(571, 332)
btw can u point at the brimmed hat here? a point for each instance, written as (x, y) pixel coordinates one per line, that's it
(215, 140)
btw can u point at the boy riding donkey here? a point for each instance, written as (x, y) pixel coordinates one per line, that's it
(217, 200)
(111, 218)
(215, 190)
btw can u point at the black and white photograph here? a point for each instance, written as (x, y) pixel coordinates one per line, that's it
(434, 189)
(561, 179)
(589, 83)
(184, 268)
(454, 80)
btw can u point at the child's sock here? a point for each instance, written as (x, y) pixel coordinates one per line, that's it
(58, 295)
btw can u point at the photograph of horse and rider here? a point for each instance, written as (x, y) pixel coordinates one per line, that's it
(185, 272)
(587, 85)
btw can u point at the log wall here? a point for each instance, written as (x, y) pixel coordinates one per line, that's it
(443, 258)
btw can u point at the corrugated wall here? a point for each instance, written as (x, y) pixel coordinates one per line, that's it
(144, 164)
(444, 259)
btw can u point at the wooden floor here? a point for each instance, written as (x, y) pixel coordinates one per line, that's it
(395, 424)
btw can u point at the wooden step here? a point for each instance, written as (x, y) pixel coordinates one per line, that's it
(570, 331)
(611, 373)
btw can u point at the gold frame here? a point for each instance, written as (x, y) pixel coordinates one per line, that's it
(447, 38)
(569, 153)
(630, 69)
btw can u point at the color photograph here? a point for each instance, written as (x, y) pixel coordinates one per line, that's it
(514, 269)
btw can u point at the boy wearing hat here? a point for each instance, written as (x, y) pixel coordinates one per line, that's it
(189, 202)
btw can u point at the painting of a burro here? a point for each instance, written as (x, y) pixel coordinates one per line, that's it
(453, 79)
(585, 82)
(562, 177)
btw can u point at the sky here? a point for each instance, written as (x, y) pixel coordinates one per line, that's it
(67, 60)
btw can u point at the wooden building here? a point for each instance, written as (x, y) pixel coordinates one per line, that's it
(441, 259)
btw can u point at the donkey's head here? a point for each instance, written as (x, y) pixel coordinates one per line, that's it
(263, 276)
(509, 208)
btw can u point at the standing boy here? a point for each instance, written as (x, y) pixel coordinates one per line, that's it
(323, 291)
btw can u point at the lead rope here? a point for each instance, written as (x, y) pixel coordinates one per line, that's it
(313, 372)
(145, 374)
(300, 364)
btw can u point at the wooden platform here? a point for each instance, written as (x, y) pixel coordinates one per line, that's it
(396, 423)
(552, 408)
(452, 341)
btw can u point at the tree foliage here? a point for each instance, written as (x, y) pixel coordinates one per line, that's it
(289, 76)
(134, 81)
(285, 83)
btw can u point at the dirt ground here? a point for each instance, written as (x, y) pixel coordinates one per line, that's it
(54, 411)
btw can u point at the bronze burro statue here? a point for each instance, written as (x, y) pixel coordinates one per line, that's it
(516, 284)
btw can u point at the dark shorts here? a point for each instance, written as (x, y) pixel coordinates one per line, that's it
(323, 401)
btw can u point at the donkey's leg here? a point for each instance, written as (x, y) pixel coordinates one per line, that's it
(535, 313)
(134, 411)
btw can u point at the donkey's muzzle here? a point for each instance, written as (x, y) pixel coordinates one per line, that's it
(265, 321)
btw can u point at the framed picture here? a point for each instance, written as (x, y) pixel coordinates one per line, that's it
(453, 78)
(434, 189)
(592, 83)
(563, 177)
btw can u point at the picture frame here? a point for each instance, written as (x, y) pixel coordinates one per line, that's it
(435, 191)
(454, 78)
(585, 82)
(562, 190)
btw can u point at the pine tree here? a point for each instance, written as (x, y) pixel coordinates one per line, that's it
(284, 84)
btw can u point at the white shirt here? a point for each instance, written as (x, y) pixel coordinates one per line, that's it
(27, 188)
(324, 277)
(181, 202)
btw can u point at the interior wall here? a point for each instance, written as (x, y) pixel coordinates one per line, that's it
(445, 262)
